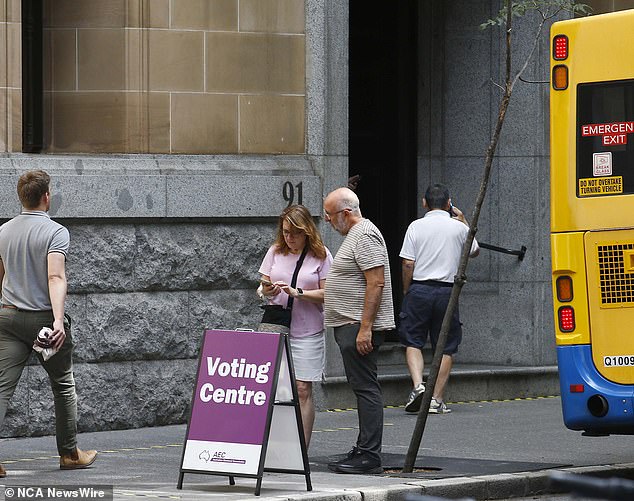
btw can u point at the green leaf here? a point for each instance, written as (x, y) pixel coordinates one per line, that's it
(546, 8)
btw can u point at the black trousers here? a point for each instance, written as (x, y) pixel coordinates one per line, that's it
(361, 372)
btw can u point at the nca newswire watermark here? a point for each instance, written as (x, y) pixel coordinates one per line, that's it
(58, 492)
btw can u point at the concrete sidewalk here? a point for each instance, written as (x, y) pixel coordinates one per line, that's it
(483, 450)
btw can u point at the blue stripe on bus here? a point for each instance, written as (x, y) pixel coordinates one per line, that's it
(577, 367)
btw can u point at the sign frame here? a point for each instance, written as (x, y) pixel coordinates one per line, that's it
(282, 408)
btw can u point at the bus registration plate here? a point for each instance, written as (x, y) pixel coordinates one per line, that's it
(618, 361)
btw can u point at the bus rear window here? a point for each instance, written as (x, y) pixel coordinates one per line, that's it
(605, 138)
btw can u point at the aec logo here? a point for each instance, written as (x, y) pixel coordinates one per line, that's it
(218, 456)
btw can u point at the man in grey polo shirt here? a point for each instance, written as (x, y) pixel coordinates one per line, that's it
(33, 252)
(358, 304)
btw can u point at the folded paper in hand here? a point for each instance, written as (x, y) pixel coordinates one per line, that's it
(42, 343)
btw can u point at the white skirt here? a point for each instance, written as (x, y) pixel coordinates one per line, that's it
(309, 356)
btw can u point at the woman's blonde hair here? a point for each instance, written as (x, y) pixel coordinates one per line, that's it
(299, 218)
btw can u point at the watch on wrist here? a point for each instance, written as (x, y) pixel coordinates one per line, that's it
(300, 292)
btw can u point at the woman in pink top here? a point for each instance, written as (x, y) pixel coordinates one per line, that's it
(296, 230)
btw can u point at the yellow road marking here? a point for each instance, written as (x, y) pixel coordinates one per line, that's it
(110, 451)
(459, 402)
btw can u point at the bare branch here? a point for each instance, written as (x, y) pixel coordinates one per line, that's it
(545, 17)
(530, 54)
(497, 84)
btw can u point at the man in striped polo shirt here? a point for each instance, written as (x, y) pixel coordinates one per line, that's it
(358, 305)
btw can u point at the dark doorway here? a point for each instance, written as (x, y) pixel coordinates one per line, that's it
(383, 118)
(32, 79)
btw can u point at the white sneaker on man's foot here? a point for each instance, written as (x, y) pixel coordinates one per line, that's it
(415, 398)
(436, 407)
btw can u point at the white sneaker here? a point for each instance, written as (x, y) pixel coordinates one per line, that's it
(415, 398)
(436, 407)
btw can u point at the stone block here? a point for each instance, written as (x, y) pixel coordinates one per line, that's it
(109, 396)
(158, 196)
(519, 224)
(467, 88)
(456, 488)
(107, 196)
(101, 258)
(240, 196)
(537, 482)
(223, 309)
(133, 326)
(393, 492)
(157, 325)
(327, 77)
(173, 256)
(505, 485)
(9, 196)
(187, 256)
(508, 340)
(134, 395)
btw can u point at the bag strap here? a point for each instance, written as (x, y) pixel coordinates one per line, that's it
(289, 304)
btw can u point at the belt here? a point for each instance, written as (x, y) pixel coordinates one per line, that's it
(433, 283)
(11, 307)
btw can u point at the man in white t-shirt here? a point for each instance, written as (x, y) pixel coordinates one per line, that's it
(431, 253)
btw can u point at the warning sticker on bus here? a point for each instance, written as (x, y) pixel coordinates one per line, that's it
(619, 361)
(611, 133)
(601, 186)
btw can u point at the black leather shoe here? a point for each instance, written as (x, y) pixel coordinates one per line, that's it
(361, 463)
(352, 453)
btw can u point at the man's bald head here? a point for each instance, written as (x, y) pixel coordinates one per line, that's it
(342, 198)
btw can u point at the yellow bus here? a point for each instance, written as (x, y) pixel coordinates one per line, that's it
(592, 219)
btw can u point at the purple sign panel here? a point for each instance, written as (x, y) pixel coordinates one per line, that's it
(234, 386)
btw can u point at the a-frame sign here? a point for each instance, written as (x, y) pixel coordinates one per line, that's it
(245, 418)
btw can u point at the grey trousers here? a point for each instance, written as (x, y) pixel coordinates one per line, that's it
(18, 330)
(361, 372)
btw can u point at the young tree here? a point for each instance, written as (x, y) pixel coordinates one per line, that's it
(546, 11)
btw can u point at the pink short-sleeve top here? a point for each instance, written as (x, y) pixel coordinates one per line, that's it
(308, 318)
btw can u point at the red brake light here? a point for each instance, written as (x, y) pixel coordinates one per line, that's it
(566, 319)
(560, 47)
(576, 388)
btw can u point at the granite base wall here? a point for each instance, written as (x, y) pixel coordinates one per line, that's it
(140, 296)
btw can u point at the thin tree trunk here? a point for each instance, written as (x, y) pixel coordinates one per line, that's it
(460, 278)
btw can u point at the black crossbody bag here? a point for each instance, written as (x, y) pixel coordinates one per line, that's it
(276, 317)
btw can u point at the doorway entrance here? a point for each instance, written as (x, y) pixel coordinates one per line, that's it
(383, 67)
(32, 76)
